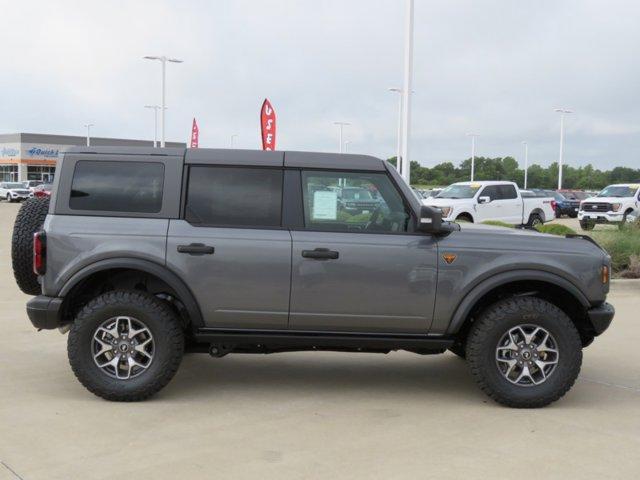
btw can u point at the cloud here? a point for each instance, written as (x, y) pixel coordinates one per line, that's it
(495, 67)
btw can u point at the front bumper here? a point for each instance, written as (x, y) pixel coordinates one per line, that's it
(44, 312)
(601, 317)
(601, 217)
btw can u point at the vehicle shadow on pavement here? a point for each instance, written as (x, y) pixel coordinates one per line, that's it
(323, 373)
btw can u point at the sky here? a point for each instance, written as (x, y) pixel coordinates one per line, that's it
(497, 68)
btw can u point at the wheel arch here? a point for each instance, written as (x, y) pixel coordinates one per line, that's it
(466, 214)
(74, 286)
(551, 287)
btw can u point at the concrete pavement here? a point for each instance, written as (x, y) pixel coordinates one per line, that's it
(311, 415)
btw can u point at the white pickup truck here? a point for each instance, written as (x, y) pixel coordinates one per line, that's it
(495, 200)
(614, 204)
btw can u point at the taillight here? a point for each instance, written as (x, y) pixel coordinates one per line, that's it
(554, 204)
(39, 253)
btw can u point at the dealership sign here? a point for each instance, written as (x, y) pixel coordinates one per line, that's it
(43, 152)
(268, 126)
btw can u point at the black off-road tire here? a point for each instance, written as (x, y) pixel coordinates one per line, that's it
(497, 320)
(159, 318)
(28, 221)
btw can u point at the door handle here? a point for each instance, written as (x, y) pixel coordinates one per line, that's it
(196, 249)
(320, 254)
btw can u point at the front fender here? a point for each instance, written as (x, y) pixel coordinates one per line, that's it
(476, 293)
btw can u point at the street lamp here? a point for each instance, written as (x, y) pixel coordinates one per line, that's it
(526, 163)
(562, 112)
(346, 146)
(232, 137)
(155, 123)
(406, 90)
(341, 125)
(399, 146)
(473, 153)
(88, 127)
(163, 60)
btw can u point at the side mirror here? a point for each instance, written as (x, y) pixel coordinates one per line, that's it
(430, 220)
(484, 199)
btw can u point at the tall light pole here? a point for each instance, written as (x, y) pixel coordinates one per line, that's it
(526, 163)
(346, 146)
(88, 127)
(163, 60)
(155, 123)
(399, 142)
(562, 112)
(341, 126)
(232, 138)
(473, 153)
(406, 91)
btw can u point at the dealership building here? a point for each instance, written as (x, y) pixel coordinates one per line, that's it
(33, 156)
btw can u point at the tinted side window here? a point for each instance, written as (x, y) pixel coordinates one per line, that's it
(352, 202)
(234, 196)
(507, 192)
(492, 192)
(117, 186)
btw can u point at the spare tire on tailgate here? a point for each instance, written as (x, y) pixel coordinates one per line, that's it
(29, 220)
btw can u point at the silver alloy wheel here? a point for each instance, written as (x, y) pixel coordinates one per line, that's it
(122, 347)
(527, 355)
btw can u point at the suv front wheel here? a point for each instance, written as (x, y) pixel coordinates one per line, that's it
(125, 345)
(524, 352)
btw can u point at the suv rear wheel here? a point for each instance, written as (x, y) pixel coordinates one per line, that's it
(125, 345)
(524, 352)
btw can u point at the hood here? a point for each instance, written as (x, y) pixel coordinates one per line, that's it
(606, 199)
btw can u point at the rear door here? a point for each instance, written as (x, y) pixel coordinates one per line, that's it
(229, 245)
(511, 203)
(360, 270)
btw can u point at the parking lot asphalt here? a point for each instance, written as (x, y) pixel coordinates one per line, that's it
(311, 415)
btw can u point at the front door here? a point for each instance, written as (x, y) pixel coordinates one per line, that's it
(230, 247)
(355, 265)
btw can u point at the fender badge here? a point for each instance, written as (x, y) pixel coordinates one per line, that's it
(449, 257)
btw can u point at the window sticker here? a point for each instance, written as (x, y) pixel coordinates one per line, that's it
(325, 205)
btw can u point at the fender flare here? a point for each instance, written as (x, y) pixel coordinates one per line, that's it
(160, 271)
(465, 307)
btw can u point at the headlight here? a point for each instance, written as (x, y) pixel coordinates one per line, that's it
(615, 207)
(446, 211)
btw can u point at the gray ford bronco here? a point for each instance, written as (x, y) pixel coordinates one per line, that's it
(145, 254)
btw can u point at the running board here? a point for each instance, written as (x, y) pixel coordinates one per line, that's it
(269, 341)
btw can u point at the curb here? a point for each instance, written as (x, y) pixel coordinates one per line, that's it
(625, 285)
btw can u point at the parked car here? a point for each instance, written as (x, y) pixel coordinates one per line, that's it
(32, 184)
(356, 200)
(43, 190)
(13, 191)
(476, 202)
(235, 251)
(612, 205)
(566, 204)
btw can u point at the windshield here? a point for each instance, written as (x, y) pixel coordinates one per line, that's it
(356, 194)
(617, 192)
(459, 191)
(13, 185)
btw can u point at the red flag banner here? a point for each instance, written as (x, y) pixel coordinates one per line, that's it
(268, 125)
(195, 133)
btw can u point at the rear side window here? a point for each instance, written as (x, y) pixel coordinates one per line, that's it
(117, 186)
(507, 192)
(234, 196)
